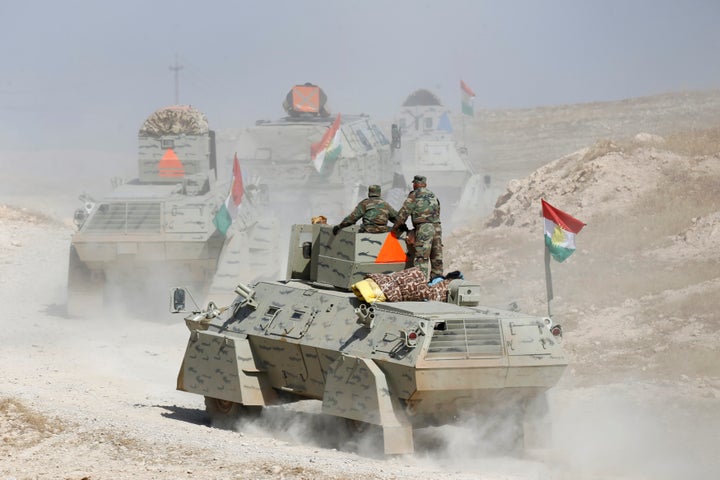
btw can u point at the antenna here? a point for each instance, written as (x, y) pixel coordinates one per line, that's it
(176, 68)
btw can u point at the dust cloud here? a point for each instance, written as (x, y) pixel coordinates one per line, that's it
(303, 423)
(631, 430)
(30, 178)
(638, 302)
(640, 398)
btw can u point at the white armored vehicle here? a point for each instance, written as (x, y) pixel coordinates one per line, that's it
(157, 230)
(279, 152)
(430, 148)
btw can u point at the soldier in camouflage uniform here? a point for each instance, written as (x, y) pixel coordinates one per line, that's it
(374, 211)
(423, 207)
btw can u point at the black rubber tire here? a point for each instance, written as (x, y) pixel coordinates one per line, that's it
(85, 289)
(226, 414)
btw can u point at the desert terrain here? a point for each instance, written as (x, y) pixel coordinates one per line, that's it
(639, 299)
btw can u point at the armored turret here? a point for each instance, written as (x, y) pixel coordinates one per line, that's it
(307, 101)
(174, 143)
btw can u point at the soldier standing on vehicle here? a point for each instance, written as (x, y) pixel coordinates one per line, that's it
(374, 211)
(423, 207)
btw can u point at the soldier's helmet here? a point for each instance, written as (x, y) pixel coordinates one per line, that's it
(420, 179)
(374, 191)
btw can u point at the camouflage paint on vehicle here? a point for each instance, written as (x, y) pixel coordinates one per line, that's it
(398, 365)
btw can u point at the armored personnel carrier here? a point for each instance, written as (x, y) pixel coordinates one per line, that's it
(279, 153)
(398, 365)
(430, 147)
(159, 226)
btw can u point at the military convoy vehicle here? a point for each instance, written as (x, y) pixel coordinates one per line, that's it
(159, 226)
(279, 152)
(430, 147)
(397, 365)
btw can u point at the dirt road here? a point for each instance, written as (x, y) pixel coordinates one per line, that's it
(95, 398)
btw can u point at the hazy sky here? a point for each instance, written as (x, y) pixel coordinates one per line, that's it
(85, 74)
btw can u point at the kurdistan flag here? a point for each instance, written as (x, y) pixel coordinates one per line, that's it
(329, 146)
(467, 99)
(228, 211)
(560, 231)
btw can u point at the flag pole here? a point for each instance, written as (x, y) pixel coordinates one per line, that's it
(548, 280)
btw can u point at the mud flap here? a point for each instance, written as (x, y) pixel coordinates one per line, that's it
(537, 427)
(356, 388)
(250, 252)
(224, 368)
(255, 385)
(232, 265)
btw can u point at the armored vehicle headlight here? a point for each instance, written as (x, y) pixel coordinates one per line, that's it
(409, 338)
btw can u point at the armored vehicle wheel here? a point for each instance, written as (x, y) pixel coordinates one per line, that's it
(85, 288)
(356, 427)
(226, 414)
(537, 427)
(508, 433)
(364, 437)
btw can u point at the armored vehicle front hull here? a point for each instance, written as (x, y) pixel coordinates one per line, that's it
(137, 248)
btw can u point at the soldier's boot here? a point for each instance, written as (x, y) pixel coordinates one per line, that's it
(436, 268)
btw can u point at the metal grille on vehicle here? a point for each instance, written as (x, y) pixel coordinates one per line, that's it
(127, 218)
(466, 338)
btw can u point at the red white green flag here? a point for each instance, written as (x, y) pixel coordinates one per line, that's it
(229, 210)
(467, 99)
(329, 146)
(560, 231)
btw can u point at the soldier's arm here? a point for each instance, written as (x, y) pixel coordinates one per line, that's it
(404, 212)
(354, 216)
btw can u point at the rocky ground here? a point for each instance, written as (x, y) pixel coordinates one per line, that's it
(95, 398)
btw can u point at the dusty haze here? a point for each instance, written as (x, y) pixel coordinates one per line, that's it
(95, 398)
(83, 73)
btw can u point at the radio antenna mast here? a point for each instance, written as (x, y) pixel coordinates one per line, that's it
(176, 68)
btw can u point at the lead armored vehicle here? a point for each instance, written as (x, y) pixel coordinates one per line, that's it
(399, 365)
(429, 146)
(159, 226)
(279, 153)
